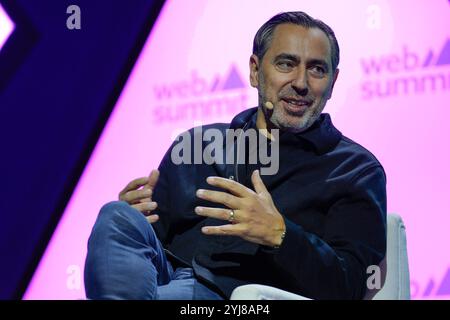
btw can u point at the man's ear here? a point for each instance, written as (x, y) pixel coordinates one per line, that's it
(254, 68)
(335, 76)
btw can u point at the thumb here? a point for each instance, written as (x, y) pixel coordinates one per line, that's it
(258, 184)
(153, 178)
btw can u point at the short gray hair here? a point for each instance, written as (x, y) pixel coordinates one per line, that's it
(264, 35)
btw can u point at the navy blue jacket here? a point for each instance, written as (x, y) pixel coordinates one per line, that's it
(331, 192)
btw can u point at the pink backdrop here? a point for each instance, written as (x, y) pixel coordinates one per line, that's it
(391, 96)
(6, 26)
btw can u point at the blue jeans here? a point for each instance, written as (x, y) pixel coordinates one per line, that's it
(126, 260)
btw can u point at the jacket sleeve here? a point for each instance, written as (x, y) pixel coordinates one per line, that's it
(335, 265)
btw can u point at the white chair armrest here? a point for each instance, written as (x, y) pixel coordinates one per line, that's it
(262, 292)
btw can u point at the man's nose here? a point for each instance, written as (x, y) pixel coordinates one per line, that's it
(300, 82)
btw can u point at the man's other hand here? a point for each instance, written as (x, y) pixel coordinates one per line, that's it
(138, 194)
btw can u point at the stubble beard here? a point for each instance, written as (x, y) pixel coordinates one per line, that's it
(279, 118)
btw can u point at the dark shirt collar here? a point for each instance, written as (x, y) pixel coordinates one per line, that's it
(322, 135)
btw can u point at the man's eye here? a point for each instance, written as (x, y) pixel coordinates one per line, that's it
(318, 70)
(285, 65)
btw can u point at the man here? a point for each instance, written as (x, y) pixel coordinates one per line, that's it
(313, 228)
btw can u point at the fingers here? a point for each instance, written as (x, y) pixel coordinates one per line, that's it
(217, 213)
(136, 195)
(133, 193)
(153, 178)
(258, 184)
(224, 230)
(145, 207)
(234, 187)
(224, 198)
(133, 185)
(152, 218)
(140, 198)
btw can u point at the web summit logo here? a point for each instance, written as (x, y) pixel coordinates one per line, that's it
(197, 98)
(406, 73)
(432, 289)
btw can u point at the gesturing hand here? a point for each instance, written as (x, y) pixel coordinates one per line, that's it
(253, 214)
(141, 199)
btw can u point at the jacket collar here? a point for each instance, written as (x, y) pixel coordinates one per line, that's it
(322, 135)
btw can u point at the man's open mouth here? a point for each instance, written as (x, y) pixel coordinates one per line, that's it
(296, 106)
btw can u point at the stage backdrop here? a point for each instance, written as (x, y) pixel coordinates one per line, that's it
(6, 26)
(392, 96)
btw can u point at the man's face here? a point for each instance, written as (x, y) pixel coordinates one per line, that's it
(295, 75)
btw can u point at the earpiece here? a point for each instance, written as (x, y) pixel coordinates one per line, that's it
(269, 105)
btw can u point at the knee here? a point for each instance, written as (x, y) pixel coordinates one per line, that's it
(120, 222)
(119, 214)
(114, 207)
(118, 209)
